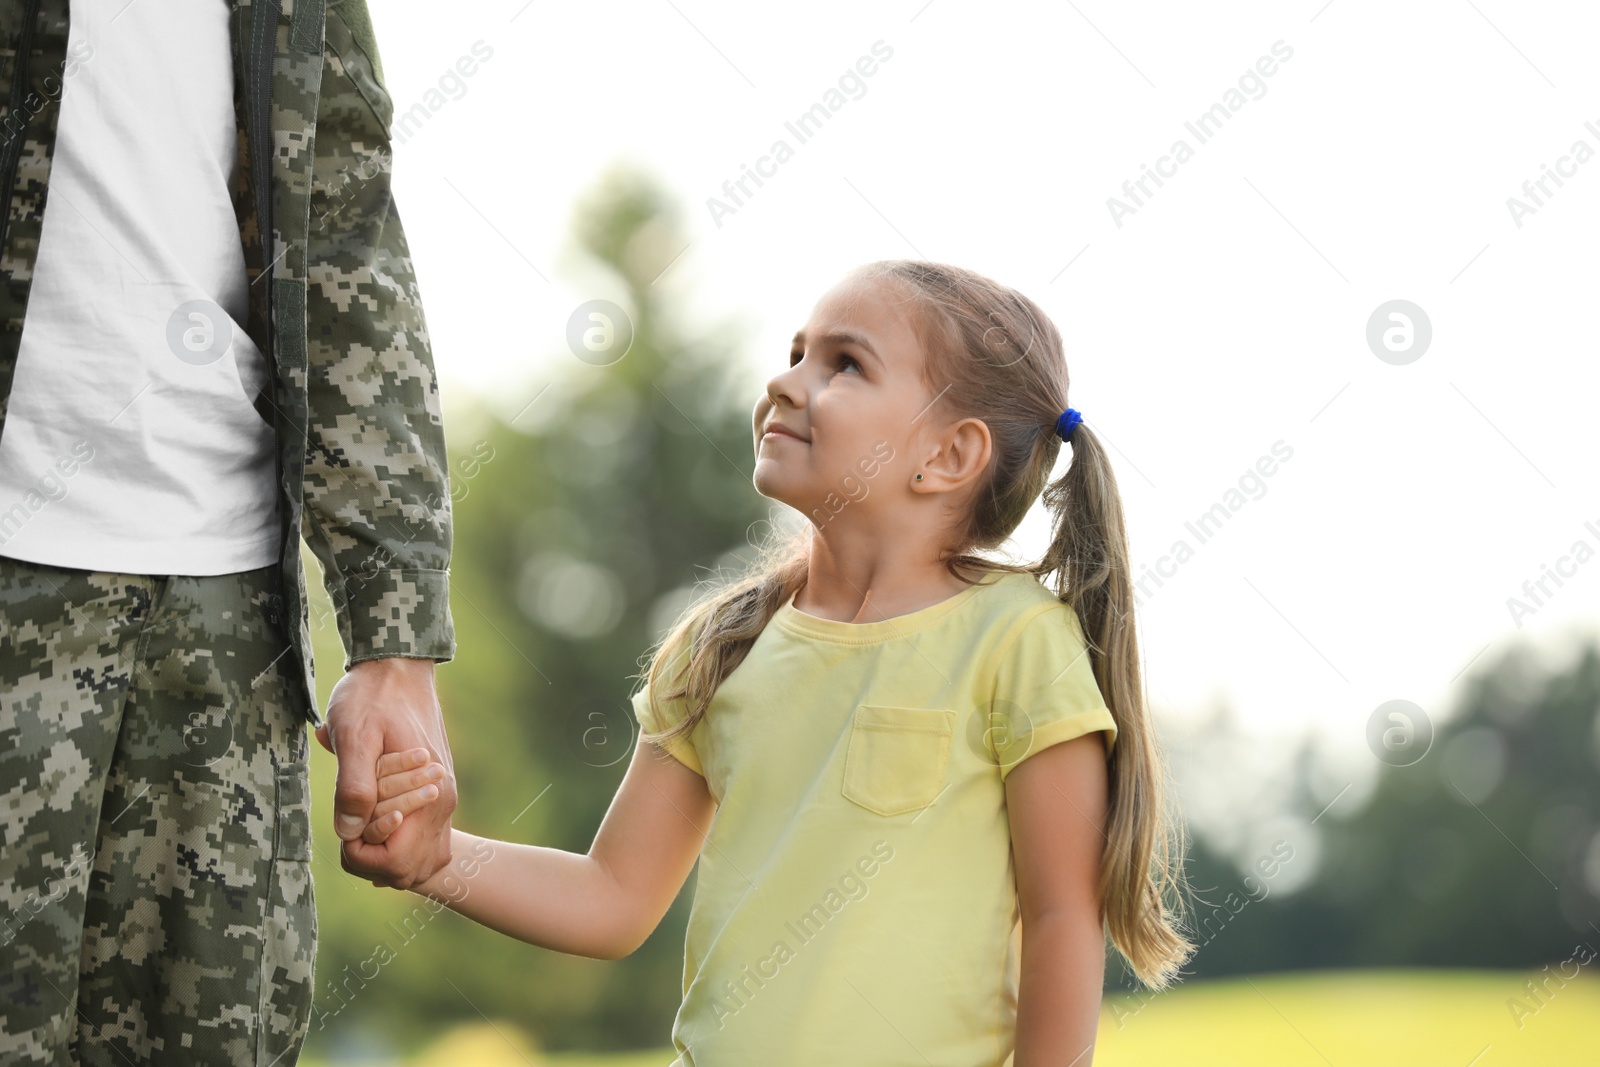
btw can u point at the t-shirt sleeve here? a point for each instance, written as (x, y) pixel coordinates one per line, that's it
(1045, 691)
(671, 713)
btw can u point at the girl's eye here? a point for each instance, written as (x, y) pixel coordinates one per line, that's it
(844, 358)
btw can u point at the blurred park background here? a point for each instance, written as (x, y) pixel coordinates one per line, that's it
(1389, 912)
(1377, 685)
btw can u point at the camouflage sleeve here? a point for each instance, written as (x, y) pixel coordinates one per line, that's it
(376, 489)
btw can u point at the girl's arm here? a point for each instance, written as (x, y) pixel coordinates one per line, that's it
(603, 904)
(1056, 801)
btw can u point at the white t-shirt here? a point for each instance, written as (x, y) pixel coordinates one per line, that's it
(131, 442)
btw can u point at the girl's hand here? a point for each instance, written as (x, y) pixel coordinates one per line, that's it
(406, 781)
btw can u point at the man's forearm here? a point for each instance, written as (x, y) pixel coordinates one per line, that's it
(376, 485)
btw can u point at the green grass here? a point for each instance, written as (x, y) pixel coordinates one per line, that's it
(1387, 1018)
(1403, 1018)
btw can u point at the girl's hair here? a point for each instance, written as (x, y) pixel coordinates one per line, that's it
(991, 353)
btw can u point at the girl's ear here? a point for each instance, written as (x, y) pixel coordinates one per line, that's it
(959, 458)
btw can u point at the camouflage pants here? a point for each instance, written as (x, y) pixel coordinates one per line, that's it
(155, 884)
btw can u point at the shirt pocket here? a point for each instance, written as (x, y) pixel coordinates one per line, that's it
(896, 758)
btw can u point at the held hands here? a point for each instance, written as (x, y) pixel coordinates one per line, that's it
(406, 781)
(382, 708)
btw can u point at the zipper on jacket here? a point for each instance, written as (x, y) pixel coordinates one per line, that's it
(19, 94)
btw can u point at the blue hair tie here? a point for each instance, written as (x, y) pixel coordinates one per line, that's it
(1068, 422)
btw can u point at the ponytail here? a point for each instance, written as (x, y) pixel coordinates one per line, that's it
(1142, 860)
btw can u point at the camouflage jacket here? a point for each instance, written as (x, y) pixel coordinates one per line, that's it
(334, 307)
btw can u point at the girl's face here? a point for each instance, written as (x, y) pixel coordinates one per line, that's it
(852, 399)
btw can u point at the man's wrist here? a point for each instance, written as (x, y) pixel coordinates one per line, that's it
(390, 673)
(403, 664)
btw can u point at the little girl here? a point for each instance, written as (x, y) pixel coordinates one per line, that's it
(917, 780)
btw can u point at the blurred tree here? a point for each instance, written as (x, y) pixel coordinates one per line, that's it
(580, 533)
(1483, 853)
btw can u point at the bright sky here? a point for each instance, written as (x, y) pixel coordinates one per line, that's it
(1223, 321)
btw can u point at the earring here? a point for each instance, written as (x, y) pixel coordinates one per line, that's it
(919, 477)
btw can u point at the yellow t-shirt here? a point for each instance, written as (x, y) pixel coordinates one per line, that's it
(856, 901)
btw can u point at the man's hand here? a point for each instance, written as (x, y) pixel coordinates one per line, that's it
(384, 706)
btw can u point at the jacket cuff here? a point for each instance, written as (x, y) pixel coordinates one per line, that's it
(400, 612)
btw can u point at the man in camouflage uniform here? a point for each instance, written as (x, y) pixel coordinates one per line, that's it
(155, 895)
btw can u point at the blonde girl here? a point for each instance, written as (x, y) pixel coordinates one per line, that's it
(922, 785)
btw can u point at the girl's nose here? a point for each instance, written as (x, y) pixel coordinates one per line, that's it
(789, 385)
